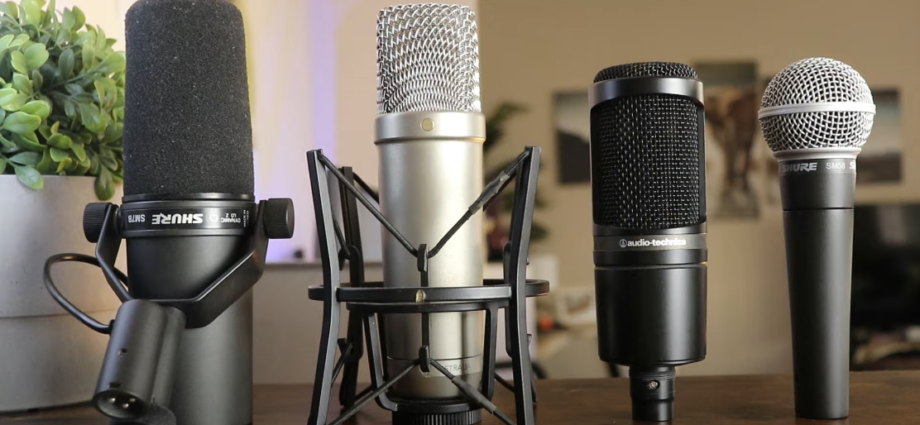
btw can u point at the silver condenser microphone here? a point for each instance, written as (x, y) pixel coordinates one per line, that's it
(429, 133)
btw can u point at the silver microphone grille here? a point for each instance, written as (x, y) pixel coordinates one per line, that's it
(427, 59)
(817, 103)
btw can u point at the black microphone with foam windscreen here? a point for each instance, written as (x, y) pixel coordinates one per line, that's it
(181, 344)
(649, 209)
(816, 115)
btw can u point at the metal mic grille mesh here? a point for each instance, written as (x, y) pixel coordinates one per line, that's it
(817, 80)
(645, 156)
(427, 59)
(646, 69)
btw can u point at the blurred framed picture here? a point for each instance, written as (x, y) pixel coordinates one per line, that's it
(576, 305)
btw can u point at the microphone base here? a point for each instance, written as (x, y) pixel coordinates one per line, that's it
(652, 391)
(461, 418)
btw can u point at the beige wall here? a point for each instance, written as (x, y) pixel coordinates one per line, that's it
(531, 49)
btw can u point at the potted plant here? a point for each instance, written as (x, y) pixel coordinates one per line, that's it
(61, 108)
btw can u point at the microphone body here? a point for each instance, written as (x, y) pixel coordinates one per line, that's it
(428, 178)
(816, 115)
(648, 195)
(188, 211)
(429, 134)
(175, 249)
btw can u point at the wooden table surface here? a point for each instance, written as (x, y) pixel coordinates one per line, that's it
(889, 398)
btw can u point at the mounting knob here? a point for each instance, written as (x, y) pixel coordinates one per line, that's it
(93, 218)
(278, 218)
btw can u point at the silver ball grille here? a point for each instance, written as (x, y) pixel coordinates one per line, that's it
(840, 95)
(427, 59)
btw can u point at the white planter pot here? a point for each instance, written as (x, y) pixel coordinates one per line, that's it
(47, 358)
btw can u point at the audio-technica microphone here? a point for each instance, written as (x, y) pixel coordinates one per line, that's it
(188, 208)
(649, 208)
(429, 133)
(816, 114)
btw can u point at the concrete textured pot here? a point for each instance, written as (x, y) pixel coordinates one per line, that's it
(48, 358)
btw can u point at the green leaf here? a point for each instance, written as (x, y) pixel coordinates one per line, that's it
(60, 141)
(11, 100)
(56, 127)
(79, 151)
(70, 19)
(63, 37)
(26, 158)
(113, 133)
(2, 164)
(63, 165)
(21, 123)
(39, 108)
(94, 167)
(22, 84)
(36, 56)
(105, 187)
(107, 92)
(84, 137)
(100, 92)
(112, 63)
(83, 98)
(101, 39)
(6, 39)
(19, 40)
(89, 55)
(65, 64)
(47, 165)
(108, 160)
(31, 13)
(80, 18)
(19, 61)
(57, 155)
(28, 141)
(74, 89)
(37, 81)
(13, 9)
(70, 109)
(93, 118)
(31, 178)
(7, 144)
(7, 10)
(81, 168)
(44, 130)
(51, 14)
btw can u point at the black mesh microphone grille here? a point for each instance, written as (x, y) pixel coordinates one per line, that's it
(646, 155)
(646, 69)
(187, 120)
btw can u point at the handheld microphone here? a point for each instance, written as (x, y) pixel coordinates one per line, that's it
(816, 114)
(649, 213)
(429, 133)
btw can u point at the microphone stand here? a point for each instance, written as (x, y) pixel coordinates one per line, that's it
(370, 301)
(135, 382)
(352, 346)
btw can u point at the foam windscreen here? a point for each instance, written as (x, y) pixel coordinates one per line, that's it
(187, 126)
(646, 154)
